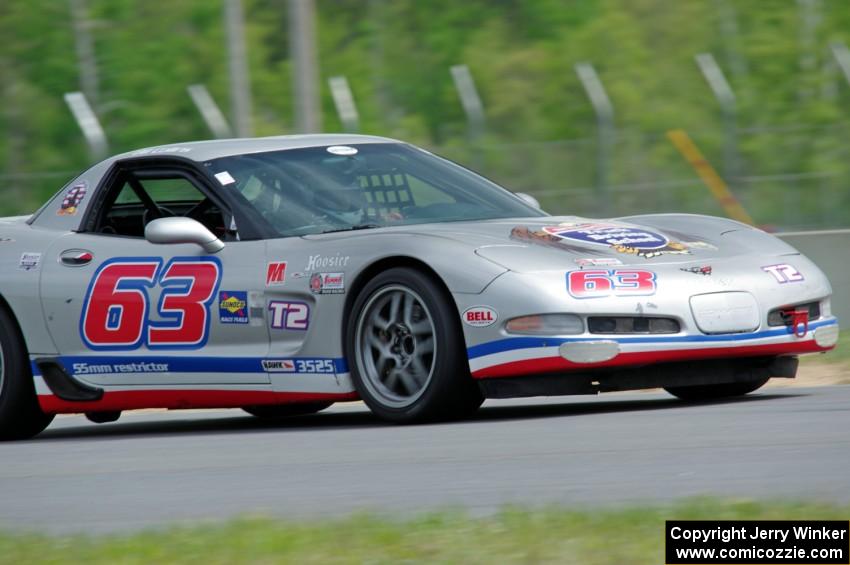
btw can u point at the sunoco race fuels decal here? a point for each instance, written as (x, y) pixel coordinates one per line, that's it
(599, 283)
(233, 307)
(116, 310)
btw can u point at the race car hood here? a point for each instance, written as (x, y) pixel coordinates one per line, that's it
(538, 244)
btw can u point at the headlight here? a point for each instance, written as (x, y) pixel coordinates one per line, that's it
(546, 324)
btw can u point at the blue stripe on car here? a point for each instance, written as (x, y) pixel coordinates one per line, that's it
(190, 364)
(511, 343)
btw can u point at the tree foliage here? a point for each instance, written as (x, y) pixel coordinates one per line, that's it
(792, 101)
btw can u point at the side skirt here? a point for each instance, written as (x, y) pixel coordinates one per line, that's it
(59, 392)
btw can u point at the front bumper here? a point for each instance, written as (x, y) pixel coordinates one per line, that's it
(746, 330)
(516, 356)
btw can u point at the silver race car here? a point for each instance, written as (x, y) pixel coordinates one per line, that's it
(281, 275)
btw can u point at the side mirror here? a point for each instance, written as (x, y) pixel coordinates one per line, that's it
(182, 230)
(529, 199)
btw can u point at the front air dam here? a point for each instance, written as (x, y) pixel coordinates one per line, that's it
(661, 375)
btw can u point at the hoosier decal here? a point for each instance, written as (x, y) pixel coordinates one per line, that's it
(315, 262)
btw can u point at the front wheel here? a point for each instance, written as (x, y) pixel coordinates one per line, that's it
(713, 392)
(20, 415)
(406, 350)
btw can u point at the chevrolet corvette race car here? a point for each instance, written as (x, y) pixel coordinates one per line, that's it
(281, 275)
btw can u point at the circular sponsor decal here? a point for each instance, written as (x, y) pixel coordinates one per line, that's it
(610, 234)
(316, 283)
(479, 316)
(342, 150)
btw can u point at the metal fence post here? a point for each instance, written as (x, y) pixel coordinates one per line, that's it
(841, 54)
(84, 47)
(344, 102)
(472, 107)
(726, 98)
(237, 58)
(604, 132)
(469, 99)
(305, 66)
(89, 124)
(210, 111)
(810, 19)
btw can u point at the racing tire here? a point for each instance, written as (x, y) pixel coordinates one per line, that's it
(20, 415)
(280, 411)
(406, 350)
(714, 392)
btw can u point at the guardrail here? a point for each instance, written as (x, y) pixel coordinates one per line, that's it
(829, 250)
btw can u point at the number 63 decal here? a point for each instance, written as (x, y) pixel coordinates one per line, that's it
(116, 311)
(598, 283)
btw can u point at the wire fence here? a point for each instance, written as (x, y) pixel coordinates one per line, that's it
(788, 178)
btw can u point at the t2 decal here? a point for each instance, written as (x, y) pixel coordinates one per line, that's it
(598, 283)
(286, 315)
(116, 312)
(784, 273)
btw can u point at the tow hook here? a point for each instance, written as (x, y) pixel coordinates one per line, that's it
(799, 321)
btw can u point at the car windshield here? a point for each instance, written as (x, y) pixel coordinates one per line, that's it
(338, 188)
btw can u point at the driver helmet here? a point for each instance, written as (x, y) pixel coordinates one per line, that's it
(339, 191)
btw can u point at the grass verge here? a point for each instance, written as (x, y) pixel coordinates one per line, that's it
(551, 535)
(841, 353)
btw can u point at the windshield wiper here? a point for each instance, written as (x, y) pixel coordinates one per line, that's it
(352, 228)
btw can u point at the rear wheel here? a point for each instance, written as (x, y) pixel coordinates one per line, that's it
(406, 350)
(278, 411)
(20, 415)
(712, 392)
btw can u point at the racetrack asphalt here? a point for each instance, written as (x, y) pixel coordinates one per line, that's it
(151, 469)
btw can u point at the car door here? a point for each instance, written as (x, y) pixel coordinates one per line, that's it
(124, 311)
